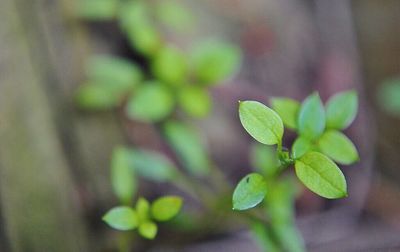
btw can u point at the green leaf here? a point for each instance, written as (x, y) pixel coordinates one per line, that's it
(174, 15)
(121, 218)
(96, 9)
(337, 146)
(153, 165)
(122, 177)
(170, 66)
(188, 145)
(311, 120)
(195, 101)
(301, 146)
(152, 102)
(249, 192)
(146, 40)
(321, 175)
(214, 61)
(261, 122)
(148, 230)
(288, 110)
(341, 109)
(165, 208)
(92, 96)
(142, 209)
(117, 74)
(389, 96)
(264, 159)
(264, 237)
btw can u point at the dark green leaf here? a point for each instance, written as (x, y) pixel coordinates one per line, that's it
(152, 102)
(195, 101)
(341, 110)
(122, 177)
(337, 146)
(321, 175)
(288, 110)
(187, 144)
(148, 230)
(301, 146)
(174, 15)
(261, 122)
(96, 9)
(311, 121)
(121, 218)
(249, 192)
(264, 159)
(215, 61)
(389, 96)
(170, 66)
(165, 208)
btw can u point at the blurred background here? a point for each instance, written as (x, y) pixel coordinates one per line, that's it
(54, 158)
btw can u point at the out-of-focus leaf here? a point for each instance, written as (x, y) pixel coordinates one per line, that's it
(148, 230)
(152, 102)
(321, 175)
(142, 209)
(134, 14)
(311, 120)
(165, 208)
(188, 145)
(288, 110)
(195, 101)
(93, 96)
(301, 146)
(121, 218)
(249, 192)
(389, 96)
(264, 237)
(170, 66)
(337, 146)
(261, 122)
(122, 177)
(264, 159)
(96, 9)
(341, 109)
(174, 15)
(214, 61)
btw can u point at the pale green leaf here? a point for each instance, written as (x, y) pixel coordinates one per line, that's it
(311, 120)
(195, 101)
(337, 146)
(93, 96)
(288, 110)
(321, 175)
(123, 179)
(261, 122)
(341, 109)
(174, 15)
(264, 158)
(96, 9)
(264, 237)
(121, 218)
(148, 230)
(301, 146)
(142, 209)
(249, 192)
(389, 96)
(165, 208)
(170, 66)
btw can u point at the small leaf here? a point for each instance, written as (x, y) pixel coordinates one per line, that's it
(195, 101)
(261, 122)
(96, 9)
(214, 61)
(175, 15)
(389, 96)
(188, 145)
(92, 96)
(152, 102)
(311, 120)
(122, 177)
(170, 66)
(264, 159)
(288, 110)
(142, 209)
(337, 146)
(301, 146)
(148, 230)
(321, 175)
(341, 109)
(249, 192)
(165, 208)
(146, 40)
(121, 218)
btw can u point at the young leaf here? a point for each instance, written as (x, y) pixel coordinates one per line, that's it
(96, 9)
(264, 159)
(195, 101)
(122, 177)
(146, 40)
(151, 103)
(311, 120)
(121, 218)
(188, 145)
(321, 175)
(165, 208)
(148, 230)
(170, 66)
(300, 147)
(249, 192)
(92, 96)
(174, 15)
(261, 122)
(288, 110)
(213, 61)
(337, 146)
(341, 109)
(142, 209)
(389, 96)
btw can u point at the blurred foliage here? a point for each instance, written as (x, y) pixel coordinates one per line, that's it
(389, 96)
